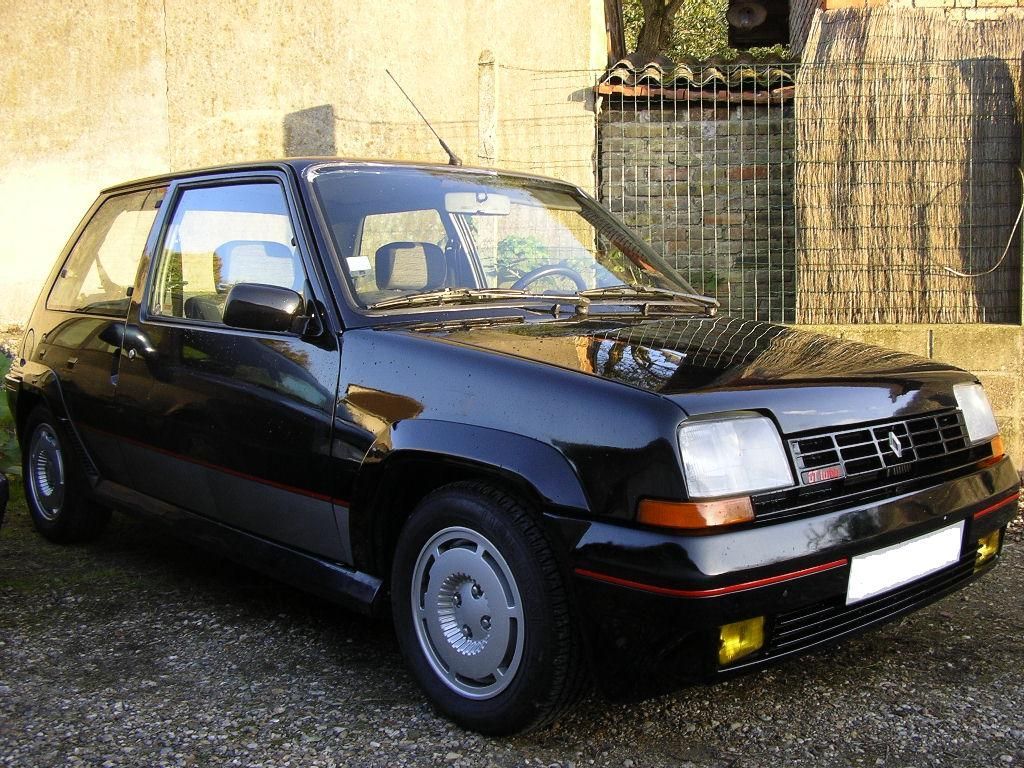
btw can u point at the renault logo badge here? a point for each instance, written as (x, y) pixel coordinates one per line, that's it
(896, 445)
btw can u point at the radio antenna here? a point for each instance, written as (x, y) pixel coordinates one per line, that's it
(453, 159)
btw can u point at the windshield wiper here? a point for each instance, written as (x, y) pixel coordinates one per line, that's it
(624, 291)
(457, 296)
(581, 299)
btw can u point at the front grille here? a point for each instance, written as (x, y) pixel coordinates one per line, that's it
(832, 619)
(934, 448)
(895, 446)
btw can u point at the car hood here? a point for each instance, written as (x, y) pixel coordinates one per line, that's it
(710, 365)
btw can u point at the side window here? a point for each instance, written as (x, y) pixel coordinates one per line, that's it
(101, 267)
(221, 236)
(417, 236)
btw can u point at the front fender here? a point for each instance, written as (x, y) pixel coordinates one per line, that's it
(541, 465)
(464, 448)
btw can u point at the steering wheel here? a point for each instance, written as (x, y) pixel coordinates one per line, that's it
(549, 270)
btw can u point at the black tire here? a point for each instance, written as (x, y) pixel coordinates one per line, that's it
(55, 486)
(547, 676)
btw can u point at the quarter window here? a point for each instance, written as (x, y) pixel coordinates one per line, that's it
(220, 237)
(101, 267)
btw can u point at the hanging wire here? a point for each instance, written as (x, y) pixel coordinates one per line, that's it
(1009, 241)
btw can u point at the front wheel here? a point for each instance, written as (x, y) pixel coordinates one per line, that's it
(481, 611)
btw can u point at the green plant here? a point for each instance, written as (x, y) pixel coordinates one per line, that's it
(700, 32)
(10, 461)
(517, 255)
(707, 282)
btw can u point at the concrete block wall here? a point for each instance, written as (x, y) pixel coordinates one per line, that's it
(711, 188)
(995, 353)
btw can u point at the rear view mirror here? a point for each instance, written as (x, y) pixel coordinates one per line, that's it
(478, 203)
(258, 307)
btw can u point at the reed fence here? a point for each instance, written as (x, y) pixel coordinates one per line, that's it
(907, 180)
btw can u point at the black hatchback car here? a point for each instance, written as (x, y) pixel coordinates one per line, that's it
(476, 400)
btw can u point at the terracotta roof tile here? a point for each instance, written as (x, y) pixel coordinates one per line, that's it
(660, 77)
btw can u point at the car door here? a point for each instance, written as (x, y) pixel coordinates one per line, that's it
(89, 301)
(231, 424)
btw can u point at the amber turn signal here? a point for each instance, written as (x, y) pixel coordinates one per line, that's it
(998, 451)
(695, 514)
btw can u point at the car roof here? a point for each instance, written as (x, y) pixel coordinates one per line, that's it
(301, 164)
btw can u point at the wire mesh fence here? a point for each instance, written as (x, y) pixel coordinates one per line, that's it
(538, 121)
(825, 192)
(701, 164)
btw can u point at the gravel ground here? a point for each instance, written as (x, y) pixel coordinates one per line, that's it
(140, 650)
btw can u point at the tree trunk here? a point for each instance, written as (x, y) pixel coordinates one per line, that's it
(615, 30)
(656, 32)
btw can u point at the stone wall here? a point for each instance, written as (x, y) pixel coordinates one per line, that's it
(710, 186)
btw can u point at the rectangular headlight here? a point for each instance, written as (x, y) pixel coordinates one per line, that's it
(977, 411)
(732, 457)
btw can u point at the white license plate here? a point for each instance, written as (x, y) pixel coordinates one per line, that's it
(876, 572)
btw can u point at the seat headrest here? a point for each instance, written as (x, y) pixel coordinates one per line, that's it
(410, 266)
(255, 261)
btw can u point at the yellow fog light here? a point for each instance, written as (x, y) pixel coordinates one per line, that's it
(987, 548)
(739, 639)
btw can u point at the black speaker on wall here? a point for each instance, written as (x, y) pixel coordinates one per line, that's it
(754, 23)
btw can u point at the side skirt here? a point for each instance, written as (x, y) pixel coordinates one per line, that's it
(337, 583)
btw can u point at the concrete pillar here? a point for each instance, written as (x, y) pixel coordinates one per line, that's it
(487, 151)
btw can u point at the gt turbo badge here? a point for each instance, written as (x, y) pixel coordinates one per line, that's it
(822, 474)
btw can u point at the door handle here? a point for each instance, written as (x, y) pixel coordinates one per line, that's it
(71, 363)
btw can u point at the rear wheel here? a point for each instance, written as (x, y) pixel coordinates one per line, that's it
(54, 486)
(481, 612)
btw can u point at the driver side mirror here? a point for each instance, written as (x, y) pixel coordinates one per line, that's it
(257, 307)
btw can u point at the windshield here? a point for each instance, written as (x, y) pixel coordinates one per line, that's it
(407, 233)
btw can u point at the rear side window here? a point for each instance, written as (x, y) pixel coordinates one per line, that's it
(101, 267)
(219, 237)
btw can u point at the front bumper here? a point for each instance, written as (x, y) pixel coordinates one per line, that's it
(651, 603)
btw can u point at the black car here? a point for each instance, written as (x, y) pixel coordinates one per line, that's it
(476, 400)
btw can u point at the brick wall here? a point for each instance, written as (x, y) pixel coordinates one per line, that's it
(970, 10)
(957, 10)
(710, 187)
(953, 4)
